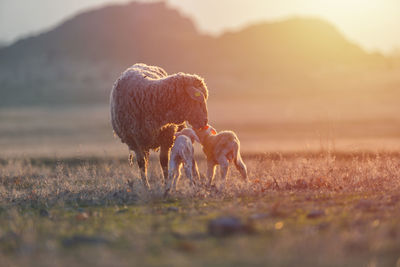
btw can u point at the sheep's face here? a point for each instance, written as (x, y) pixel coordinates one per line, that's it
(197, 115)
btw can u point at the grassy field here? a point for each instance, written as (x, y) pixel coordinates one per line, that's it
(304, 209)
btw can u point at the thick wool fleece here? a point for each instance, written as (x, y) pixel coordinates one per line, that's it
(147, 105)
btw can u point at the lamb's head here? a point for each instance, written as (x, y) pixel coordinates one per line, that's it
(204, 132)
(195, 94)
(189, 133)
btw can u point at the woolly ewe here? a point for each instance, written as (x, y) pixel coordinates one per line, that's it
(147, 105)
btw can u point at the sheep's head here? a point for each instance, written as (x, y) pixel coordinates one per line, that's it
(205, 131)
(189, 133)
(197, 93)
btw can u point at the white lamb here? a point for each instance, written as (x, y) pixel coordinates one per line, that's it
(182, 153)
(220, 149)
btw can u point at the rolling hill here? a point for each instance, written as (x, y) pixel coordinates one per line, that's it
(78, 61)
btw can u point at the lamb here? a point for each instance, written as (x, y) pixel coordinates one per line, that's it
(147, 105)
(182, 153)
(220, 149)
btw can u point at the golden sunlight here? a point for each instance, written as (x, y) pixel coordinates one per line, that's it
(200, 133)
(361, 21)
(349, 11)
(372, 24)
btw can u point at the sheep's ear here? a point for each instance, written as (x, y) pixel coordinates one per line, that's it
(195, 93)
(213, 132)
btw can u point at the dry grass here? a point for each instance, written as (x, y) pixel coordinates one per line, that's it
(306, 209)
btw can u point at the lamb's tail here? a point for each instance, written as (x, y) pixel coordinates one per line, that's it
(238, 161)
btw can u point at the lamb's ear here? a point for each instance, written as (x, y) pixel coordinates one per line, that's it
(211, 130)
(194, 93)
(196, 138)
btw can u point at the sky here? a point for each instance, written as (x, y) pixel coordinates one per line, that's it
(374, 24)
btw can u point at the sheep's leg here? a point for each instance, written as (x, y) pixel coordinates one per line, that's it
(224, 164)
(210, 171)
(164, 157)
(142, 159)
(131, 159)
(241, 167)
(166, 139)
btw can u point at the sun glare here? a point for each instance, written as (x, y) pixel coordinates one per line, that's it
(342, 9)
(373, 24)
(360, 20)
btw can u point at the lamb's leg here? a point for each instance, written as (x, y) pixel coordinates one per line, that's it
(173, 169)
(210, 171)
(188, 171)
(241, 167)
(195, 171)
(224, 164)
(142, 159)
(164, 157)
(177, 176)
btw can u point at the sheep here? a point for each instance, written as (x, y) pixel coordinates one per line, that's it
(220, 149)
(182, 153)
(147, 105)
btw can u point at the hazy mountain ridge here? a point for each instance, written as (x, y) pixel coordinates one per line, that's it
(77, 61)
(312, 41)
(108, 33)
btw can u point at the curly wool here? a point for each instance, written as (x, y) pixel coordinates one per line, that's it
(147, 105)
